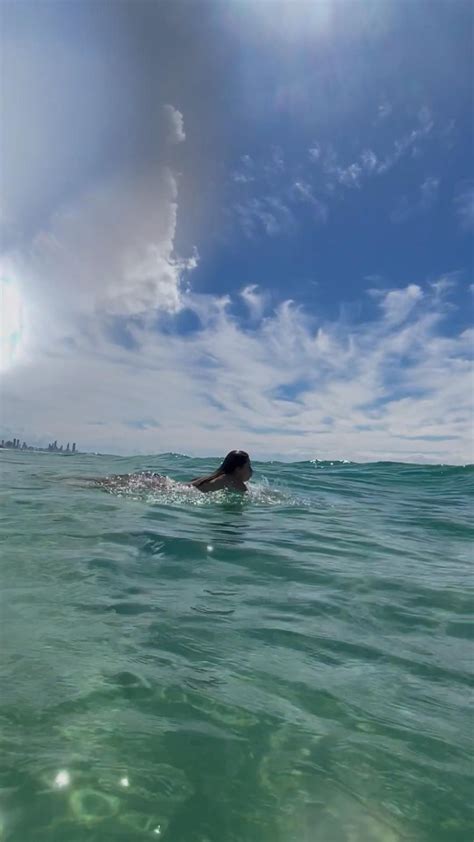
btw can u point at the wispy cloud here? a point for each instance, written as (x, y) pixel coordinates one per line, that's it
(276, 163)
(369, 160)
(245, 171)
(267, 214)
(274, 214)
(429, 192)
(423, 201)
(240, 177)
(270, 186)
(369, 163)
(176, 133)
(314, 152)
(464, 203)
(408, 141)
(445, 284)
(397, 304)
(266, 171)
(303, 193)
(349, 176)
(255, 301)
(384, 110)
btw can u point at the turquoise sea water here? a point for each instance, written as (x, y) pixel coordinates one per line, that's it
(291, 667)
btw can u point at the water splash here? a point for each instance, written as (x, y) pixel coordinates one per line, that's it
(151, 489)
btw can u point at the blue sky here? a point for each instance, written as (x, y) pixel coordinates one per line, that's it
(241, 224)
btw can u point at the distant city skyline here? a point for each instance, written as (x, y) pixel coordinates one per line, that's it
(52, 447)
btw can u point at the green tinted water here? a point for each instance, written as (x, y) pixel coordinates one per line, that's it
(295, 667)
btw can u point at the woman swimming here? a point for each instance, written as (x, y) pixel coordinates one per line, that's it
(232, 474)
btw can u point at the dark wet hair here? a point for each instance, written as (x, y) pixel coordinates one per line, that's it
(235, 459)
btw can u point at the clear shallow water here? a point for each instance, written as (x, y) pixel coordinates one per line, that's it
(293, 667)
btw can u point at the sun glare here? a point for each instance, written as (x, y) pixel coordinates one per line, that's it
(11, 322)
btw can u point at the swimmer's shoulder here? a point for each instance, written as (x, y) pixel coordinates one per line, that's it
(222, 483)
(215, 484)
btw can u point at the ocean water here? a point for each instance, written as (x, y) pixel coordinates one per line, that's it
(296, 666)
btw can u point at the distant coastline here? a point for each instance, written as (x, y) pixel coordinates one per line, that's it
(51, 448)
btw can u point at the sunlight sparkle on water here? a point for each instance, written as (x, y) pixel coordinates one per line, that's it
(62, 779)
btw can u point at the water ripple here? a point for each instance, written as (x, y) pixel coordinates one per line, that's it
(295, 665)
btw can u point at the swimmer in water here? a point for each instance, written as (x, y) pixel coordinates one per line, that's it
(234, 472)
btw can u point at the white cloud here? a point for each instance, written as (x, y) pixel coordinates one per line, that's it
(277, 185)
(269, 193)
(369, 160)
(425, 118)
(349, 176)
(444, 284)
(303, 192)
(277, 160)
(429, 192)
(176, 124)
(268, 214)
(393, 388)
(254, 300)
(314, 152)
(408, 141)
(368, 164)
(464, 202)
(384, 110)
(108, 253)
(245, 172)
(269, 170)
(242, 178)
(398, 303)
